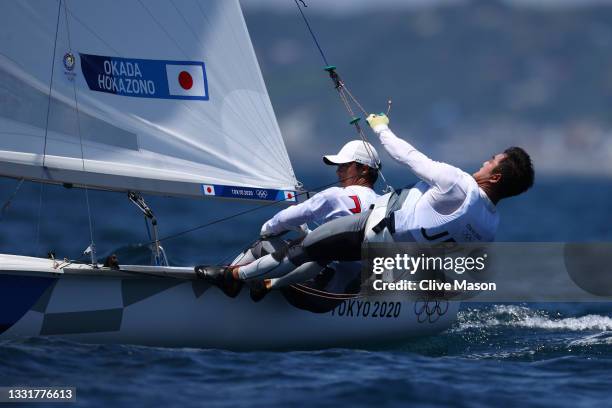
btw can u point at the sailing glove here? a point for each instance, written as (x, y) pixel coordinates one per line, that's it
(265, 231)
(378, 122)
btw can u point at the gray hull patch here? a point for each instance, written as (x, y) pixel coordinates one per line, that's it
(41, 304)
(199, 288)
(82, 322)
(135, 290)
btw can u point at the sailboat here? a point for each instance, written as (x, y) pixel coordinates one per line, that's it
(158, 97)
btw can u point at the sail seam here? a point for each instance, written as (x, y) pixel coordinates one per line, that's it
(178, 46)
(94, 33)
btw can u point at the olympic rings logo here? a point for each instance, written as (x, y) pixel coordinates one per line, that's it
(69, 61)
(430, 310)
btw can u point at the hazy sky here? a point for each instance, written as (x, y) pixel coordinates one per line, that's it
(356, 6)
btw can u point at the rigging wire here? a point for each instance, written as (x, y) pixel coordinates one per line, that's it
(92, 245)
(8, 202)
(59, 12)
(346, 96)
(40, 199)
(312, 34)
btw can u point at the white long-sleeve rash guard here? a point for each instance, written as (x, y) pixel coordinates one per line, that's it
(449, 184)
(324, 206)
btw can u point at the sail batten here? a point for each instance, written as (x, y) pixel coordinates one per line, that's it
(142, 98)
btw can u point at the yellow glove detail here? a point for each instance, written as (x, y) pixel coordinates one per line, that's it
(375, 120)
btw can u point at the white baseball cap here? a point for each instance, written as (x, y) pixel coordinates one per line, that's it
(355, 151)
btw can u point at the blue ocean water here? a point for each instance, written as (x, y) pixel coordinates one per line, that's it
(494, 355)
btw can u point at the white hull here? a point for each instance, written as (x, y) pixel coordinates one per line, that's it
(103, 306)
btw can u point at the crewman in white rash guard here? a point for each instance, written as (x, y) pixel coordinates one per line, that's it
(447, 205)
(357, 170)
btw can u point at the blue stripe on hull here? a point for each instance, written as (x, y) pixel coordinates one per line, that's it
(17, 295)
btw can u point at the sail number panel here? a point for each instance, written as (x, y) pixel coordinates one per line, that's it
(144, 78)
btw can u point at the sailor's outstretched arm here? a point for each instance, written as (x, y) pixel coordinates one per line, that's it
(437, 174)
(313, 209)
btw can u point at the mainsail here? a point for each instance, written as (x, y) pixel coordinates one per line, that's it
(156, 96)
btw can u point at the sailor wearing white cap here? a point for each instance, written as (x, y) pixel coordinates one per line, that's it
(355, 151)
(357, 172)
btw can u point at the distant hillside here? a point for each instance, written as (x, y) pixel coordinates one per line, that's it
(453, 71)
(483, 59)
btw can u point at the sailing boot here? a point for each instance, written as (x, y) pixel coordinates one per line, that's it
(258, 290)
(221, 277)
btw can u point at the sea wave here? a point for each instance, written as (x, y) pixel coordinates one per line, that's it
(525, 317)
(598, 339)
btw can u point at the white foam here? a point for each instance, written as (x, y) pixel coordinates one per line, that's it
(521, 316)
(589, 322)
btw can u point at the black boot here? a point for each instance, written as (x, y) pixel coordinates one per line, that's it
(221, 277)
(258, 290)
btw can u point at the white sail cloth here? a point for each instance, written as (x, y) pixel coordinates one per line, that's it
(156, 96)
